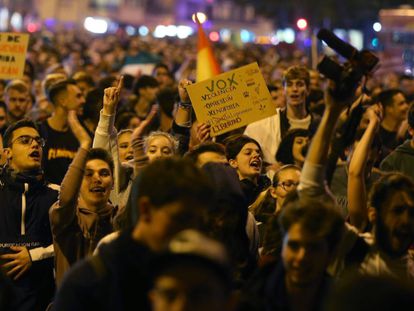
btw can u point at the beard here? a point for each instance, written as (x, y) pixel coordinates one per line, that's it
(383, 238)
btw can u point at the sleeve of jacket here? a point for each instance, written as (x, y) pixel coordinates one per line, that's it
(63, 212)
(106, 138)
(40, 253)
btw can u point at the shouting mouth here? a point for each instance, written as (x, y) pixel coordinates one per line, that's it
(256, 164)
(35, 155)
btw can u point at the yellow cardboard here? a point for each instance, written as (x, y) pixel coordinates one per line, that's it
(232, 99)
(13, 49)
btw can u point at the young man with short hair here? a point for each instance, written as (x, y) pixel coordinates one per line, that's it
(61, 142)
(25, 236)
(402, 158)
(82, 215)
(193, 274)
(310, 231)
(18, 100)
(395, 107)
(269, 131)
(207, 152)
(169, 195)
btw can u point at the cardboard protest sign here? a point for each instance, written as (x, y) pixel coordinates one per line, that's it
(13, 48)
(231, 100)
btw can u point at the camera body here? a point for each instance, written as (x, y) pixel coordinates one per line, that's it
(346, 76)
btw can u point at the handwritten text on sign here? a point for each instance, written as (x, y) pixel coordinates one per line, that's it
(13, 48)
(231, 100)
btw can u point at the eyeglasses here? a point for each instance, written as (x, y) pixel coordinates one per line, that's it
(27, 140)
(288, 185)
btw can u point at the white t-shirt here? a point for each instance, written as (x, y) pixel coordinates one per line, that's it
(267, 133)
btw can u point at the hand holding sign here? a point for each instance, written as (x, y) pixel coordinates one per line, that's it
(231, 100)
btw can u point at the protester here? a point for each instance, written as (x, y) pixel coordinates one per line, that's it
(292, 148)
(207, 152)
(378, 235)
(193, 274)
(82, 215)
(401, 159)
(61, 142)
(269, 131)
(18, 100)
(244, 154)
(172, 195)
(395, 112)
(25, 234)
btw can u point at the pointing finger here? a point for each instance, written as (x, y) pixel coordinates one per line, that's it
(120, 83)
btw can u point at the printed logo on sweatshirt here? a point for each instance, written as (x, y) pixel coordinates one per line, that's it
(55, 153)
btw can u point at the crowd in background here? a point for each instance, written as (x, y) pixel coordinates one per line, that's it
(114, 197)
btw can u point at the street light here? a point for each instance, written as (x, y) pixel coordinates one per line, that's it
(201, 17)
(302, 23)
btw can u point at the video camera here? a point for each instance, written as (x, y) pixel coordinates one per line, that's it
(346, 76)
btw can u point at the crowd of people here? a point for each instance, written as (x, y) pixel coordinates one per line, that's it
(114, 197)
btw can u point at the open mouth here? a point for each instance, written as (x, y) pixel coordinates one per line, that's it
(256, 164)
(97, 190)
(129, 158)
(35, 155)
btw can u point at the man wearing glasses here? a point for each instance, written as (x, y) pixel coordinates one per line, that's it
(26, 250)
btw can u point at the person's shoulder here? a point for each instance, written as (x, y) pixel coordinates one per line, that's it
(81, 287)
(263, 123)
(82, 277)
(109, 238)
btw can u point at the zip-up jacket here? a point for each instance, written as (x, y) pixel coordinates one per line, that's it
(24, 221)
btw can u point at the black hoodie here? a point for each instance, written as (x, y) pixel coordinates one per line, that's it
(25, 200)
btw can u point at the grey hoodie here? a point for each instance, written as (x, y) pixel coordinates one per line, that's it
(400, 160)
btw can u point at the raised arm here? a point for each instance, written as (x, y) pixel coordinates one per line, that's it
(65, 210)
(357, 194)
(314, 169)
(183, 114)
(106, 136)
(182, 119)
(137, 141)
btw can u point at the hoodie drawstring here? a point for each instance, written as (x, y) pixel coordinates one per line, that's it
(22, 223)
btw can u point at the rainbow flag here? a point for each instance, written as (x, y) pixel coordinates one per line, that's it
(207, 65)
